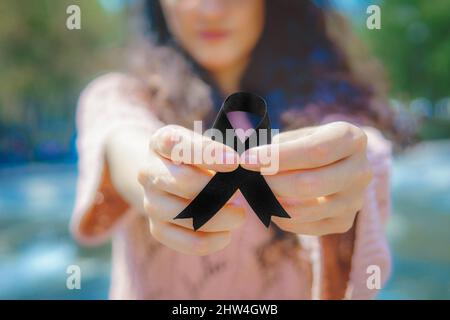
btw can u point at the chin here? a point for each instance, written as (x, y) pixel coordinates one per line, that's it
(216, 62)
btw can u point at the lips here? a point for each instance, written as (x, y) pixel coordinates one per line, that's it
(213, 35)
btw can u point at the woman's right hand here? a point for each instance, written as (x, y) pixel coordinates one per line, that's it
(170, 185)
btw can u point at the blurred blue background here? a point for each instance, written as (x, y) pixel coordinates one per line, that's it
(44, 66)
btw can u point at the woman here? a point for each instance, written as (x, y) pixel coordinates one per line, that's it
(333, 163)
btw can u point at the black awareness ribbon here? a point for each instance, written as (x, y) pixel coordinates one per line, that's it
(252, 184)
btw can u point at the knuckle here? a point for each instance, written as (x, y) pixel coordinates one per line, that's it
(352, 133)
(142, 177)
(170, 182)
(149, 207)
(155, 230)
(154, 180)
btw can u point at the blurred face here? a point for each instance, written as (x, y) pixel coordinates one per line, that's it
(216, 33)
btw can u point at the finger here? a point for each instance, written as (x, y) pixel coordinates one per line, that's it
(322, 208)
(322, 146)
(188, 241)
(354, 171)
(166, 207)
(185, 146)
(319, 228)
(182, 180)
(293, 134)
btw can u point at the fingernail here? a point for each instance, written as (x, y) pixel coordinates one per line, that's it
(168, 140)
(229, 158)
(250, 158)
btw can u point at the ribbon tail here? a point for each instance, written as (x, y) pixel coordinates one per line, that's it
(261, 199)
(211, 199)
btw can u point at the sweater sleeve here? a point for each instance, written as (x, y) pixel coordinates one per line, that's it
(371, 260)
(109, 102)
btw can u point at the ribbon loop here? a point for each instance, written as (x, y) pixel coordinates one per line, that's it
(252, 184)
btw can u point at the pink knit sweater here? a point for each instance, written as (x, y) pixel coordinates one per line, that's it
(145, 269)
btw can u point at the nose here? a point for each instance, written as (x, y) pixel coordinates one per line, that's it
(212, 9)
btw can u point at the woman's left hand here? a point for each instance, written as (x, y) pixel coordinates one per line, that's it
(322, 175)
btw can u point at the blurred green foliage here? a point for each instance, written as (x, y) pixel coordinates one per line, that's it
(43, 65)
(414, 45)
